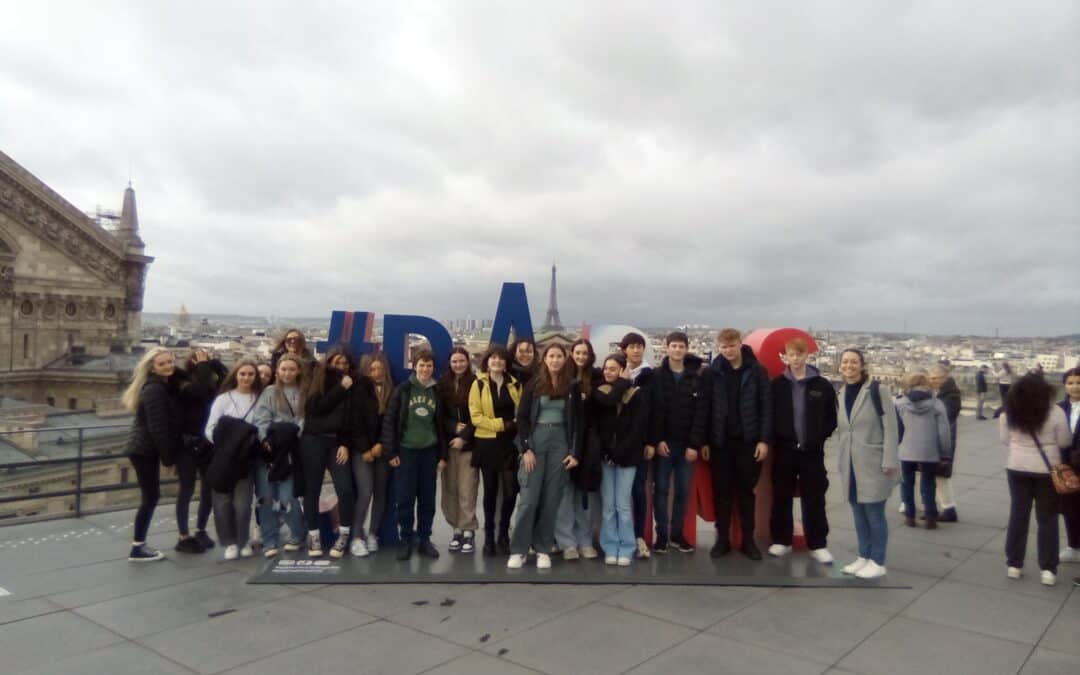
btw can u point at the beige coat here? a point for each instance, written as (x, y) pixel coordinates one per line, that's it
(868, 443)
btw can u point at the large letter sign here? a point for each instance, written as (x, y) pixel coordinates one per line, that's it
(512, 313)
(396, 331)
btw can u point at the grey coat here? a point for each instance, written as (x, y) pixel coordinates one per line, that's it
(927, 437)
(868, 443)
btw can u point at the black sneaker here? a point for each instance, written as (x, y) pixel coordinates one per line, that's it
(204, 540)
(145, 553)
(455, 543)
(680, 543)
(503, 546)
(468, 544)
(720, 549)
(427, 549)
(404, 551)
(750, 550)
(948, 515)
(189, 545)
(660, 545)
(489, 547)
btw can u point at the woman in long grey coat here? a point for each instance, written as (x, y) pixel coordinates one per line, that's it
(869, 463)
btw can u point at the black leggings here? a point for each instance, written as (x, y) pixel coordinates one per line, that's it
(496, 480)
(318, 453)
(186, 469)
(148, 473)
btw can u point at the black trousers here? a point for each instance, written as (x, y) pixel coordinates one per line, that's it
(498, 480)
(804, 469)
(186, 471)
(148, 473)
(1070, 508)
(1025, 488)
(735, 475)
(318, 453)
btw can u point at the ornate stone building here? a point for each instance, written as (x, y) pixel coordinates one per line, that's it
(71, 294)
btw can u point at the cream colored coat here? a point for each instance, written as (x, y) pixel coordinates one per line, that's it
(868, 444)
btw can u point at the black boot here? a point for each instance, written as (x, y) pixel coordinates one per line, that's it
(427, 549)
(750, 549)
(489, 544)
(504, 544)
(404, 551)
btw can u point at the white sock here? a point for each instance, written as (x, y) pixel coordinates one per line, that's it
(344, 531)
(313, 533)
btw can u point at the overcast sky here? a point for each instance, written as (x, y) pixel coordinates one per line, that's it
(846, 165)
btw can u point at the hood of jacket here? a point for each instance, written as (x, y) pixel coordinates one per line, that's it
(920, 401)
(722, 365)
(811, 372)
(414, 382)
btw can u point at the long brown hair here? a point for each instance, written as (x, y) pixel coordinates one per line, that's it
(584, 375)
(280, 403)
(318, 376)
(452, 388)
(229, 383)
(385, 388)
(302, 347)
(546, 385)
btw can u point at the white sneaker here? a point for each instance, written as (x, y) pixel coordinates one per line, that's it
(1048, 578)
(589, 553)
(822, 555)
(779, 550)
(1013, 572)
(515, 562)
(232, 552)
(1070, 554)
(901, 509)
(372, 543)
(358, 549)
(270, 552)
(247, 552)
(871, 570)
(642, 548)
(624, 561)
(855, 566)
(570, 554)
(543, 561)
(610, 560)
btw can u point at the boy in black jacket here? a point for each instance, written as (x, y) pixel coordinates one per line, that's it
(804, 416)
(741, 429)
(679, 417)
(641, 375)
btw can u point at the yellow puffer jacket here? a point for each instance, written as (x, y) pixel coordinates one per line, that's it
(482, 405)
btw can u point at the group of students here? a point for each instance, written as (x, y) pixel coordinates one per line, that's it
(563, 446)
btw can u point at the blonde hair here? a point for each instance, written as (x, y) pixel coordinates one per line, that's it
(916, 379)
(142, 371)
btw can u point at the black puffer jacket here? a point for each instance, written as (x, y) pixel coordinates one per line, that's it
(621, 422)
(588, 474)
(819, 413)
(362, 429)
(755, 400)
(198, 387)
(156, 429)
(349, 414)
(679, 411)
(454, 406)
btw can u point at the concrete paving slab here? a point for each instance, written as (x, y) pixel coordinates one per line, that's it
(707, 653)
(43, 640)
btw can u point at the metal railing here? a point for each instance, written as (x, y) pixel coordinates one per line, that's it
(80, 461)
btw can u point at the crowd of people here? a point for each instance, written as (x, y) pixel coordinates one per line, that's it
(564, 445)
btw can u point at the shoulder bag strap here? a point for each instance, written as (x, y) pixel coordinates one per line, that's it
(1046, 460)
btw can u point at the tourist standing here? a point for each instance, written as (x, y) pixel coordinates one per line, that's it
(804, 416)
(416, 446)
(229, 427)
(1004, 378)
(325, 446)
(641, 375)
(924, 444)
(279, 417)
(461, 480)
(550, 432)
(981, 389)
(679, 417)
(155, 438)
(1034, 430)
(741, 417)
(574, 524)
(1070, 504)
(493, 403)
(622, 417)
(945, 390)
(869, 464)
(376, 367)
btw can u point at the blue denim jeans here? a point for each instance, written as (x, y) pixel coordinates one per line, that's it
(870, 526)
(927, 487)
(415, 484)
(617, 530)
(273, 498)
(676, 464)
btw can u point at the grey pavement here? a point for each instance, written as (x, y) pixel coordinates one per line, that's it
(70, 603)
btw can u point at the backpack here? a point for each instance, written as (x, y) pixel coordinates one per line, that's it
(875, 398)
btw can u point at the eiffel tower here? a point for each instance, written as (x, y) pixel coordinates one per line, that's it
(552, 322)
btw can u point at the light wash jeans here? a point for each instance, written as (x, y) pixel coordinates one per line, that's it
(617, 531)
(871, 528)
(273, 498)
(573, 525)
